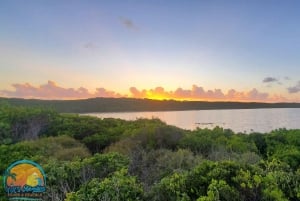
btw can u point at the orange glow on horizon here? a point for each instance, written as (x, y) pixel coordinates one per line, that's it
(53, 91)
(155, 96)
(162, 97)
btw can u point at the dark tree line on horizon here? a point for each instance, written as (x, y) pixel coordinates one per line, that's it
(132, 104)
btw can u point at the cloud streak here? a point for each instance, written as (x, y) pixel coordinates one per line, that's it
(270, 79)
(294, 89)
(90, 45)
(129, 24)
(51, 90)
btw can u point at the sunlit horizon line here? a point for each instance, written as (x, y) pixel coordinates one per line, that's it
(154, 99)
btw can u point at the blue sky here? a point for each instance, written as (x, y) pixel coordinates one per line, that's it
(149, 45)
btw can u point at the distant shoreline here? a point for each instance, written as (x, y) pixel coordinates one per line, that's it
(138, 105)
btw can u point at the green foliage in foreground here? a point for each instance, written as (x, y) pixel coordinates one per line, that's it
(87, 158)
(228, 180)
(119, 186)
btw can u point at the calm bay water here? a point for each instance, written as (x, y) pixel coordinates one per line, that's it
(246, 120)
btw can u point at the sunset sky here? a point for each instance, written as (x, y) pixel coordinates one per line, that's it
(233, 50)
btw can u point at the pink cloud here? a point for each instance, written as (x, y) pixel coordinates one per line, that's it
(136, 93)
(101, 92)
(199, 93)
(51, 90)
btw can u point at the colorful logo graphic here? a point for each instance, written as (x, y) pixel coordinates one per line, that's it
(25, 180)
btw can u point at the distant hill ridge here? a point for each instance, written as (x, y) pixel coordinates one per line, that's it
(134, 105)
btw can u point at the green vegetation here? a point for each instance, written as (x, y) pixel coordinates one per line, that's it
(132, 104)
(91, 159)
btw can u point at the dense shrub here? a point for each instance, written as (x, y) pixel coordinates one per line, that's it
(86, 158)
